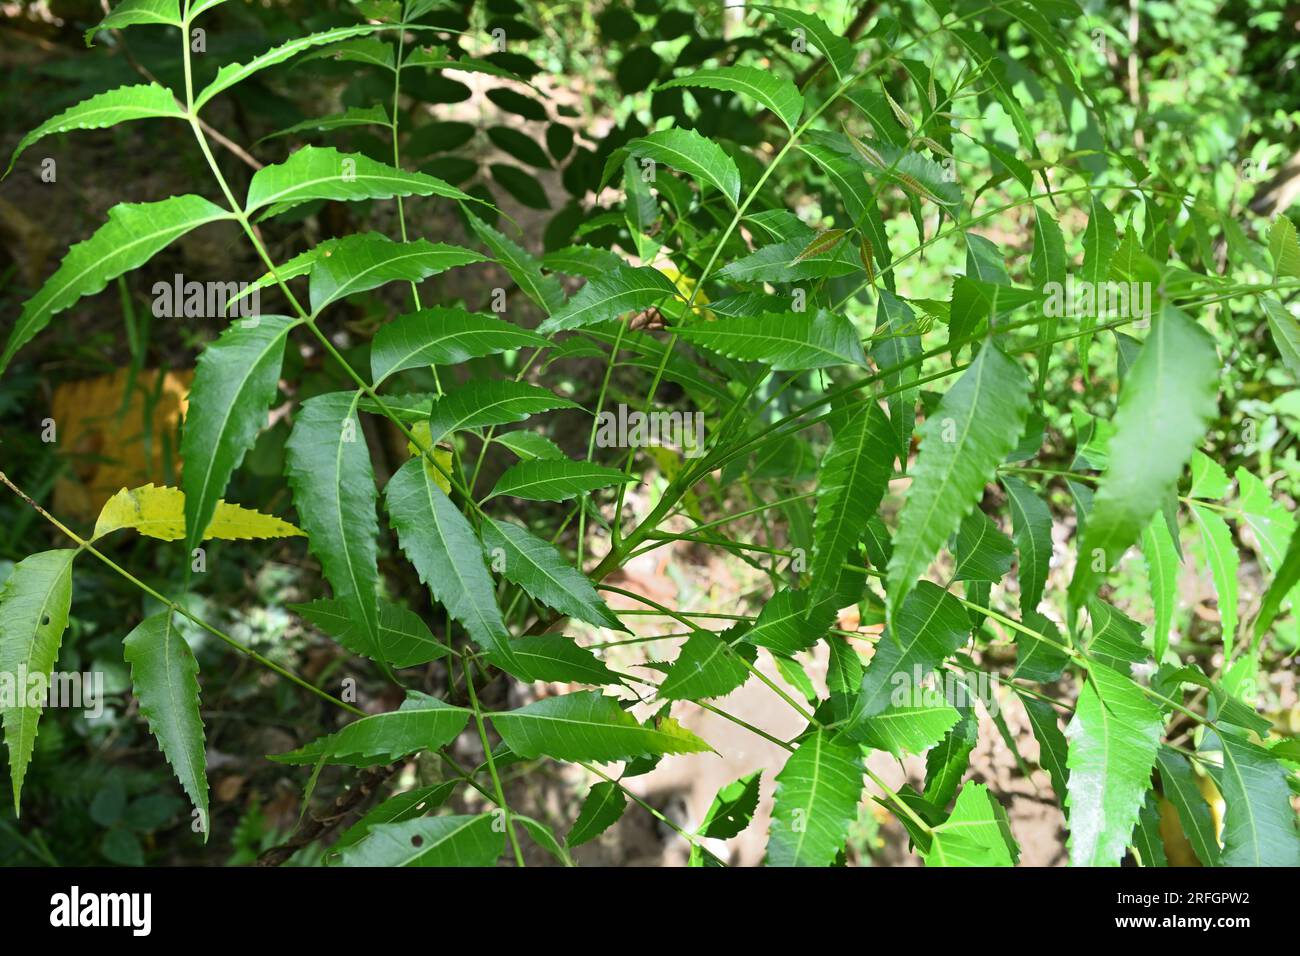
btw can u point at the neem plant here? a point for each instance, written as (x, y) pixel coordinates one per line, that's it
(720, 289)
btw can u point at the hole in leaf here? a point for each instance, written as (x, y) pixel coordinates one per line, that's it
(417, 841)
(45, 620)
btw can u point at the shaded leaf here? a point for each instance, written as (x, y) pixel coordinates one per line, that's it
(732, 809)
(234, 385)
(34, 606)
(126, 103)
(133, 234)
(164, 679)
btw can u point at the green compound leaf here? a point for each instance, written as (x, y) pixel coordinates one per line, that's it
(838, 51)
(1286, 333)
(529, 446)
(130, 13)
(852, 481)
(1031, 524)
(789, 622)
(1221, 553)
(545, 290)
(556, 658)
(322, 172)
(982, 551)
(1259, 826)
(906, 729)
(352, 116)
(234, 73)
(404, 806)
(1052, 747)
(490, 402)
(691, 153)
(1162, 574)
(708, 665)
(947, 763)
(1179, 786)
(928, 628)
(1283, 248)
(360, 263)
(1284, 579)
(404, 639)
(732, 810)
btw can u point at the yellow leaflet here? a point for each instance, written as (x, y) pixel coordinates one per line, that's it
(441, 455)
(687, 741)
(685, 286)
(159, 512)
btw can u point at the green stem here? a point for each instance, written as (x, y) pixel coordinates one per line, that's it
(897, 801)
(491, 764)
(684, 834)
